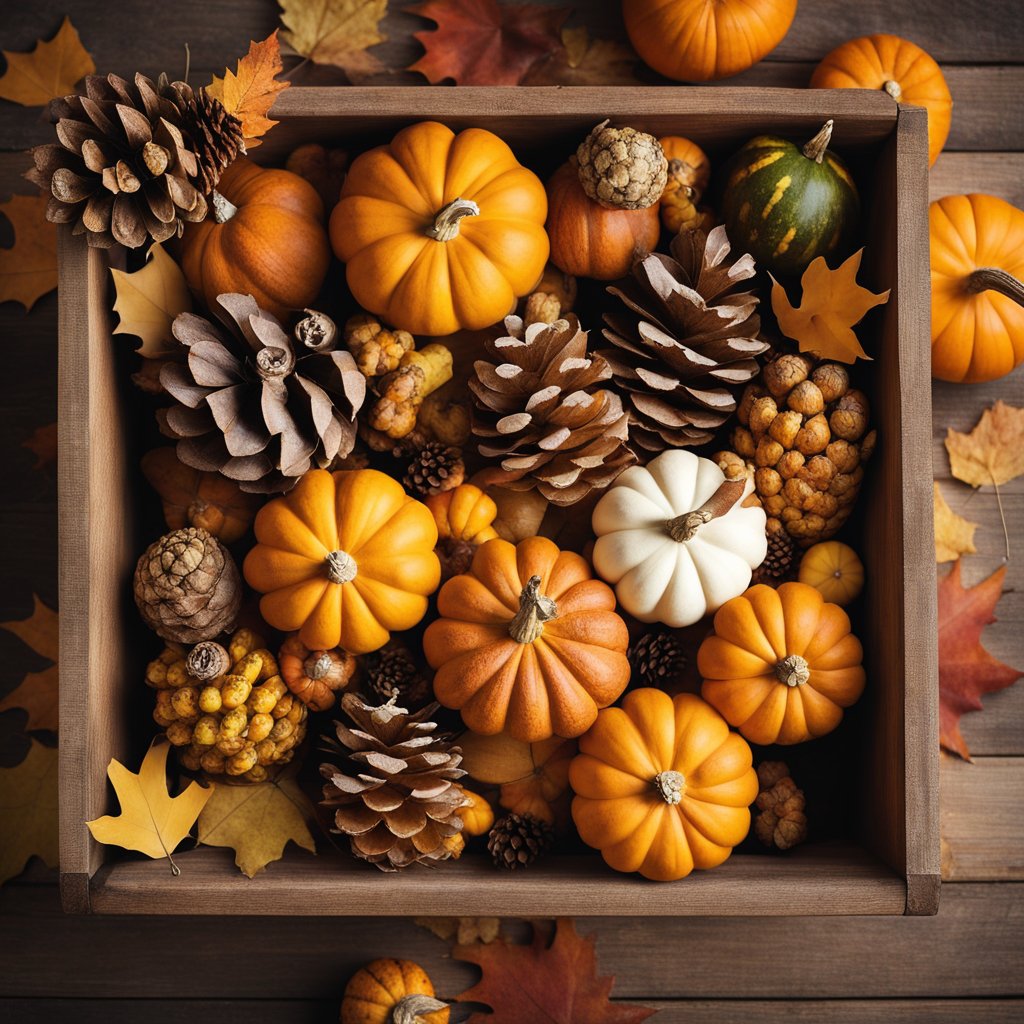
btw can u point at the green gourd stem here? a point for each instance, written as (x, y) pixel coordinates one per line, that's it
(894, 89)
(670, 785)
(994, 279)
(815, 149)
(341, 567)
(684, 527)
(446, 223)
(412, 1009)
(793, 670)
(223, 208)
(534, 610)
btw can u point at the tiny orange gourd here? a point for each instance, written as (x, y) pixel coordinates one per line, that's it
(781, 664)
(689, 171)
(834, 570)
(662, 786)
(315, 677)
(463, 516)
(477, 815)
(389, 991)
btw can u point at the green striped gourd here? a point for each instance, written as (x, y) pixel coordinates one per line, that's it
(786, 204)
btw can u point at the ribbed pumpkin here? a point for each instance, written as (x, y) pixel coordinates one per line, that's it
(977, 259)
(782, 664)
(699, 40)
(528, 642)
(786, 204)
(391, 992)
(590, 240)
(477, 815)
(834, 570)
(688, 173)
(315, 677)
(463, 514)
(662, 786)
(268, 240)
(440, 232)
(345, 559)
(905, 71)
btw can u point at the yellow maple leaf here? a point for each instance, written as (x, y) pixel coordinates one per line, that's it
(50, 70)
(831, 303)
(336, 32)
(28, 270)
(249, 92)
(148, 300)
(37, 692)
(993, 452)
(954, 535)
(257, 822)
(151, 820)
(28, 809)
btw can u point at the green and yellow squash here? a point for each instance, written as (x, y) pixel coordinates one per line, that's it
(785, 204)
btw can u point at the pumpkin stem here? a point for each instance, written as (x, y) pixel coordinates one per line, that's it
(682, 528)
(341, 567)
(678, 170)
(223, 208)
(815, 149)
(317, 665)
(996, 280)
(894, 89)
(411, 1009)
(793, 670)
(534, 610)
(207, 660)
(316, 331)
(670, 786)
(446, 223)
(273, 363)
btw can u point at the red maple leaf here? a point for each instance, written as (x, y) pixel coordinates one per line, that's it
(478, 42)
(966, 669)
(543, 984)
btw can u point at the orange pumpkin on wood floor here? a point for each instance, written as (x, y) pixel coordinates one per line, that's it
(528, 642)
(392, 992)
(782, 664)
(662, 786)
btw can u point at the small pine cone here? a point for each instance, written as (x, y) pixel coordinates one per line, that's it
(657, 659)
(622, 168)
(781, 822)
(517, 840)
(392, 671)
(216, 135)
(433, 469)
(779, 560)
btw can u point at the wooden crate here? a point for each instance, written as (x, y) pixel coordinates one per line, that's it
(894, 866)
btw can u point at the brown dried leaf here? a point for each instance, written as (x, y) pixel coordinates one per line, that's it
(43, 444)
(954, 535)
(462, 931)
(993, 452)
(586, 61)
(148, 300)
(37, 692)
(335, 32)
(50, 70)
(28, 809)
(28, 270)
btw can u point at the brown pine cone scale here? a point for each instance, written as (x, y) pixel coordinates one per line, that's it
(517, 840)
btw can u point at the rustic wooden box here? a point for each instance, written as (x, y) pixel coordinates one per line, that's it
(893, 868)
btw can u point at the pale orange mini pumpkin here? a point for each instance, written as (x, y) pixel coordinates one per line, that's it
(463, 516)
(477, 815)
(315, 677)
(689, 171)
(392, 992)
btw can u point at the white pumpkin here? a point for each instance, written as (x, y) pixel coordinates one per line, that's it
(675, 540)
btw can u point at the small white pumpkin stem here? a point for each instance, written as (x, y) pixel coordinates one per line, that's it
(341, 567)
(684, 527)
(894, 89)
(793, 670)
(446, 223)
(995, 279)
(413, 1009)
(534, 610)
(223, 208)
(670, 785)
(317, 665)
(815, 149)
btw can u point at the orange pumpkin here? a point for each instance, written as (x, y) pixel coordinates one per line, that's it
(392, 992)
(590, 240)
(902, 69)
(344, 558)
(662, 786)
(315, 677)
(265, 236)
(699, 40)
(528, 642)
(440, 232)
(477, 815)
(688, 173)
(977, 259)
(782, 664)
(463, 516)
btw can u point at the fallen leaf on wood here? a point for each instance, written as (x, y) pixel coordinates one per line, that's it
(543, 984)
(257, 821)
(148, 300)
(50, 70)
(831, 303)
(151, 820)
(993, 452)
(249, 92)
(336, 32)
(586, 61)
(37, 692)
(43, 444)
(966, 669)
(28, 810)
(462, 931)
(954, 535)
(479, 42)
(28, 270)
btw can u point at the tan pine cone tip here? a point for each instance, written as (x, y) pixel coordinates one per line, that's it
(622, 167)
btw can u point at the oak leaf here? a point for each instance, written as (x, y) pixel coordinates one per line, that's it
(28, 270)
(151, 820)
(43, 444)
(148, 300)
(28, 810)
(954, 535)
(586, 61)
(993, 452)
(544, 984)
(966, 669)
(831, 303)
(37, 692)
(479, 42)
(257, 822)
(336, 32)
(50, 70)
(249, 92)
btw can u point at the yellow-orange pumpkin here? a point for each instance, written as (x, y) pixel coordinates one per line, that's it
(688, 173)
(834, 569)
(477, 815)
(440, 232)
(315, 677)
(662, 786)
(391, 992)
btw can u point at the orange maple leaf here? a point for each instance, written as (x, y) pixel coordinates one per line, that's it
(37, 692)
(966, 669)
(50, 70)
(250, 92)
(28, 270)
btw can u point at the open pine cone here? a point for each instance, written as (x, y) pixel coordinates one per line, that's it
(255, 405)
(538, 409)
(686, 341)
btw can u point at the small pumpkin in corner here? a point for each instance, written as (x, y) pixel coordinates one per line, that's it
(477, 815)
(834, 570)
(688, 173)
(389, 991)
(315, 677)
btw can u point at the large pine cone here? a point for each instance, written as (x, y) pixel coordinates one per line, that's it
(255, 405)
(397, 797)
(686, 340)
(539, 410)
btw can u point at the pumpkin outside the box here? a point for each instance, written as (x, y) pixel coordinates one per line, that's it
(440, 232)
(834, 570)
(662, 786)
(391, 991)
